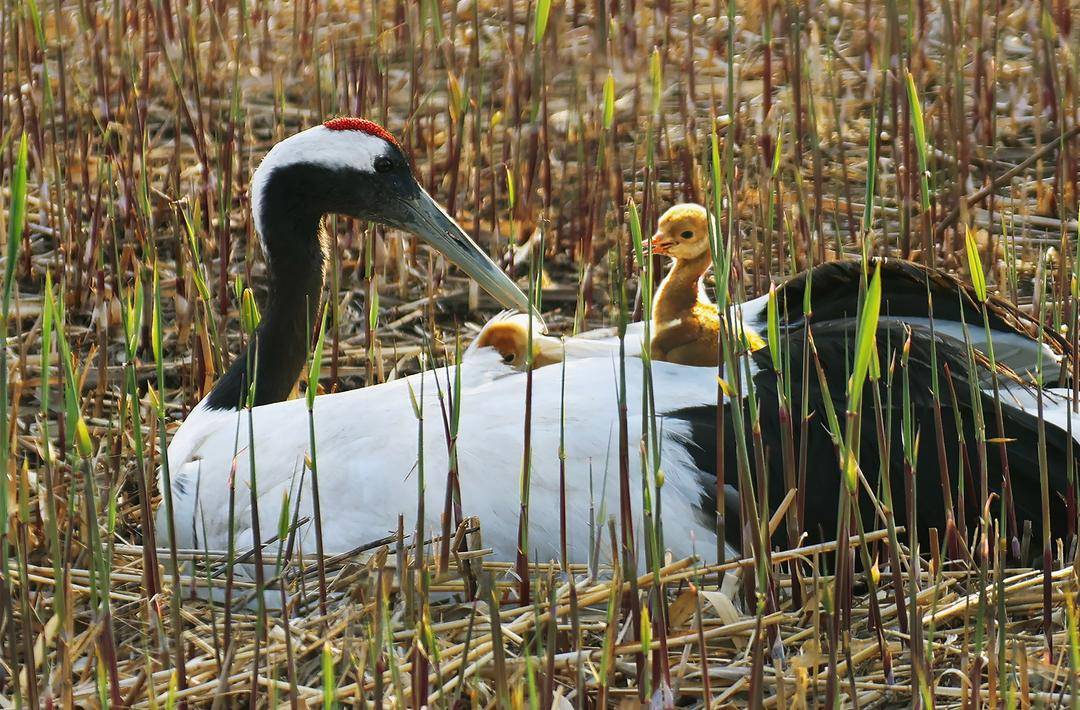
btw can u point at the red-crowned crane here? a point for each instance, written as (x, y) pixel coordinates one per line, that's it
(366, 440)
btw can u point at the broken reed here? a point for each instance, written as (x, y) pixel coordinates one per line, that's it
(16, 221)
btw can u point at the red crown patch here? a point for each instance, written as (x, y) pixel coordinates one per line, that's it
(352, 123)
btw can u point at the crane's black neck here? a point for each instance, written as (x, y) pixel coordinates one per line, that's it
(278, 349)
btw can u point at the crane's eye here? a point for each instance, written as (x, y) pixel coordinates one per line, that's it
(383, 164)
(509, 358)
(687, 234)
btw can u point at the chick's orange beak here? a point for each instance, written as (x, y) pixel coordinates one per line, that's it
(660, 244)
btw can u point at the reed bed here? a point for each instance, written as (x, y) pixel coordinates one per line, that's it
(556, 132)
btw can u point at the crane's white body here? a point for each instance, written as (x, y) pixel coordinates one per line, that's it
(367, 456)
(367, 449)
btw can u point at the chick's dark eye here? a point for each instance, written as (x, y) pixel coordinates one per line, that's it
(509, 358)
(383, 164)
(687, 234)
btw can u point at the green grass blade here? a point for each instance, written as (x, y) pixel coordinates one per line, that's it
(978, 278)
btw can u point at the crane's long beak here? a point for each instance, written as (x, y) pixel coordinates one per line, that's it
(426, 219)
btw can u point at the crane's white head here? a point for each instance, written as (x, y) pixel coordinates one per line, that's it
(355, 167)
